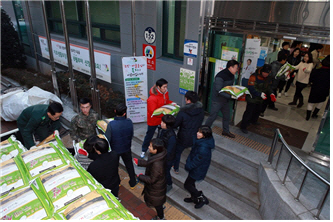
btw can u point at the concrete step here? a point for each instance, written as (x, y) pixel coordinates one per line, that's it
(230, 184)
(228, 206)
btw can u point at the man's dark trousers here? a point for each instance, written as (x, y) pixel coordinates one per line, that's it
(251, 114)
(127, 159)
(225, 109)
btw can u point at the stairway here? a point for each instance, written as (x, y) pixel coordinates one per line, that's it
(231, 184)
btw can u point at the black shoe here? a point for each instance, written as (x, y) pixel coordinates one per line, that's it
(202, 200)
(273, 108)
(245, 131)
(228, 134)
(300, 105)
(190, 200)
(157, 218)
(292, 103)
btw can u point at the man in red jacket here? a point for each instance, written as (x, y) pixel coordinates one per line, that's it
(159, 96)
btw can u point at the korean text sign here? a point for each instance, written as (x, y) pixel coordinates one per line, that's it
(80, 58)
(135, 82)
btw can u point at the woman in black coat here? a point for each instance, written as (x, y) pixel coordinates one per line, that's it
(155, 176)
(294, 59)
(320, 88)
(197, 165)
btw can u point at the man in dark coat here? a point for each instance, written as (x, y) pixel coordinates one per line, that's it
(220, 100)
(259, 86)
(276, 65)
(119, 133)
(320, 88)
(154, 179)
(105, 168)
(188, 119)
(40, 120)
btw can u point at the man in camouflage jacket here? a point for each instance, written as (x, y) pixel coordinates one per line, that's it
(83, 125)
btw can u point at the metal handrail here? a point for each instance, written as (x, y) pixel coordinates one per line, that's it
(278, 136)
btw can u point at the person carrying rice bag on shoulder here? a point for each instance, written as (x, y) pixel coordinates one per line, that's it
(159, 96)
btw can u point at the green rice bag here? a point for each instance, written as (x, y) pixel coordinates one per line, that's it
(41, 160)
(236, 90)
(10, 148)
(12, 177)
(64, 186)
(24, 204)
(93, 206)
(166, 109)
(103, 124)
(284, 69)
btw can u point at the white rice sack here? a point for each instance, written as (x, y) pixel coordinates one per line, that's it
(236, 90)
(92, 207)
(10, 148)
(43, 159)
(64, 186)
(11, 177)
(22, 205)
(171, 109)
(103, 124)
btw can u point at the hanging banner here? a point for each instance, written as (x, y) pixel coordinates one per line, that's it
(229, 53)
(135, 82)
(149, 53)
(80, 58)
(190, 48)
(219, 66)
(251, 56)
(186, 80)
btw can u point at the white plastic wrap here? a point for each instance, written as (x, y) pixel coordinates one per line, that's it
(13, 103)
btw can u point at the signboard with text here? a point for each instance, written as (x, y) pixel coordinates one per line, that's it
(229, 53)
(251, 56)
(190, 48)
(80, 58)
(186, 80)
(135, 83)
(149, 53)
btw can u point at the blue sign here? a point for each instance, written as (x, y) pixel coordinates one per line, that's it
(190, 48)
(182, 91)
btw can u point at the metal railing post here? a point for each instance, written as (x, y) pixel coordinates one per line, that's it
(277, 162)
(71, 79)
(285, 176)
(32, 35)
(321, 203)
(270, 156)
(301, 187)
(49, 43)
(133, 28)
(93, 84)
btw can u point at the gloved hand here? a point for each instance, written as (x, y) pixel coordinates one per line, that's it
(173, 103)
(83, 152)
(273, 98)
(135, 161)
(233, 97)
(263, 96)
(139, 174)
(287, 77)
(293, 76)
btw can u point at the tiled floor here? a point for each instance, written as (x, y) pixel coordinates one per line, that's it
(289, 115)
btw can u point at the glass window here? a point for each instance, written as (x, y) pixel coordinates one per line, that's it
(174, 21)
(104, 16)
(21, 27)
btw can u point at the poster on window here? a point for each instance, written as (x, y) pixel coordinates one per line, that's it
(135, 83)
(186, 80)
(219, 66)
(251, 56)
(229, 53)
(80, 58)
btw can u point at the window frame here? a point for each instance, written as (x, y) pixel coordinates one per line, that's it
(82, 25)
(165, 40)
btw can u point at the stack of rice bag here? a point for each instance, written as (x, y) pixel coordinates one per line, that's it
(47, 182)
